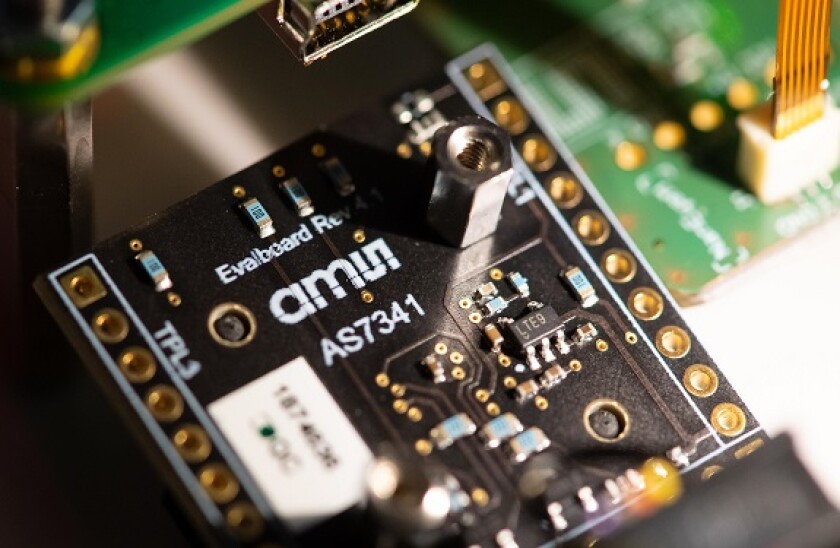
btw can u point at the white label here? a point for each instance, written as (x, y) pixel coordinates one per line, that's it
(296, 443)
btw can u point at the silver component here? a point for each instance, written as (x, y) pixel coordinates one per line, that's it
(527, 390)
(505, 539)
(154, 269)
(580, 285)
(519, 283)
(298, 196)
(545, 350)
(314, 28)
(531, 359)
(555, 514)
(452, 429)
(417, 110)
(485, 292)
(585, 333)
(552, 377)
(435, 368)
(527, 443)
(258, 216)
(613, 490)
(333, 8)
(472, 169)
(562, 346)
(494, 306)
(500, 429)
(587, 500)
(411, 498)
(635, 478)
(678, 457)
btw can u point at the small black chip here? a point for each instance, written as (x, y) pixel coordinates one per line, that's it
(533, 327)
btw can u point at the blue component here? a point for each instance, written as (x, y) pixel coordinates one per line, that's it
(501, 428)
(519, 283)
(259, 217)
(155, 270)
(529, 442)
(579, 283)
(494, 306)
(451, 429)
(298, 196)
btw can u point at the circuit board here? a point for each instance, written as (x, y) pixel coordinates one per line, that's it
(131, 31)
(606, 74)
(273, 335)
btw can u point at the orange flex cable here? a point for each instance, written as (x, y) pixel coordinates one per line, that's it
(802, 55)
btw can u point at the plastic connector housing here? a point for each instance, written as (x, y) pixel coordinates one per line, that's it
(776, 169)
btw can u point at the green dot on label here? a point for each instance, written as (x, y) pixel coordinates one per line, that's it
(267, 431)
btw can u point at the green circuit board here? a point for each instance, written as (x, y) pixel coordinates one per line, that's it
(607, 73)
(131, 31)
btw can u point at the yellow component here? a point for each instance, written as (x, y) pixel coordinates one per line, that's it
(668, 135)
(802, 56)
(663, 483)
(70, 64)
(741, 94)
(630, 155)
(706, 116)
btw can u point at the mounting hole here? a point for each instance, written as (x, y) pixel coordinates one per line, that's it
(137, 364)
(244, 521)
(511, 115)
(474, 149)
(83, 286)
(538, 153)
(729, 419)
(700, 380)
(565, 190)
(646, 303)
(110, 326)
(165, 403)
(619, 265)
(673, 341)
(592, 227)
(219, 483)
(606, 420)
(192, 443)
(232, 325)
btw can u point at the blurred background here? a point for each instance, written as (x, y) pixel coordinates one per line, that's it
(71, 475)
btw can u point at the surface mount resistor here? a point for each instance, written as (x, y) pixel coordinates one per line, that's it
(297, 194)
(500, 429)
(494, 306)
(341, 179)
(580, 286)
(155, 270)
(529, 442)
(519, 283)
(435, 368)
(258, 216)
(452, 429)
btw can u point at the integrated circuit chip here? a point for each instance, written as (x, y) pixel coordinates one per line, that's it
(533, 327)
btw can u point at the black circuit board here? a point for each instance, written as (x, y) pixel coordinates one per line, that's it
(367, 340)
